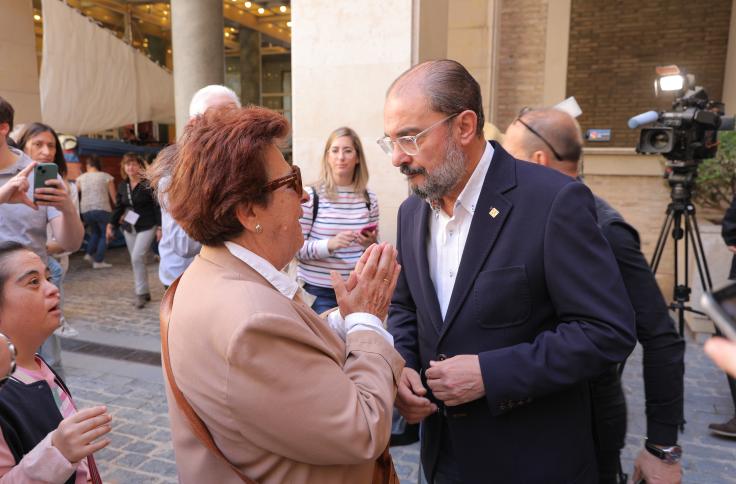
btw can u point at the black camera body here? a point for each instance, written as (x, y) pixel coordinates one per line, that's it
(688, 133)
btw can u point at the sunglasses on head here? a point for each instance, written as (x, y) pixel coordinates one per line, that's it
(525, 110)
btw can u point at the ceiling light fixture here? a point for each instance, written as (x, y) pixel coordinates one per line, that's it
(248, 4)
(282, 9)
(288, 24)
(36, 17)
(261, 10)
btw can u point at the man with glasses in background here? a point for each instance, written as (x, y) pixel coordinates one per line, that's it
(509, 298)
(552, 138)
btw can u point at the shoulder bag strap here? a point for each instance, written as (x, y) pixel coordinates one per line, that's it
(315, 209)
(198, 427)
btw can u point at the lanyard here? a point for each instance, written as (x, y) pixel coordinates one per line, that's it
(130, 196)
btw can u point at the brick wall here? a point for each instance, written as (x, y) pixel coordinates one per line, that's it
(615, 46)
(520, 63)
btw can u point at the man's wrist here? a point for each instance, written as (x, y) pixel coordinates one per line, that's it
(670, 454)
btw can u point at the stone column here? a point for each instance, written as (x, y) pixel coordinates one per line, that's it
(199, 50)
(470, 42)
(555, 56)
(430, 30)
(340, 76)
(19, 72)
(729, 76)
(250, 66)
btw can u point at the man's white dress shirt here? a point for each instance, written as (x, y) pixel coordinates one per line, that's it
(447, 235)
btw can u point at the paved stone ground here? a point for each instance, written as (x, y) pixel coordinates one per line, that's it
(99, 304)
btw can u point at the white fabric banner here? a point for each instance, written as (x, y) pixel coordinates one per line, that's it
(93, 81)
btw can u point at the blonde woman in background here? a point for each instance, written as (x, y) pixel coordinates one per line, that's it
(340, 219)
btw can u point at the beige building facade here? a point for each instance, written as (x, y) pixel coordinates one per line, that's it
(523, 53)
(518, 51)
(18, 70)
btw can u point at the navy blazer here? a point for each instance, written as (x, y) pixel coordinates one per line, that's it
(540, 299)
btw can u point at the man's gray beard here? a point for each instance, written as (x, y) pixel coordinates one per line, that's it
(444, 178)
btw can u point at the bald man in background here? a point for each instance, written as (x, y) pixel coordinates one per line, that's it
(176, 248)
(552, 138)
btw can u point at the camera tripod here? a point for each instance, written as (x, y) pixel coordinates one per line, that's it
(681, 211)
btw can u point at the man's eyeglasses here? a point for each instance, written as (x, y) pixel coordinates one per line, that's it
(536, 133)
(408, 144)
(293, 180)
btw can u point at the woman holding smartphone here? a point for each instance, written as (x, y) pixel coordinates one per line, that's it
(340, 219)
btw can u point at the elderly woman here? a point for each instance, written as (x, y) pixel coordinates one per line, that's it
(286, 395)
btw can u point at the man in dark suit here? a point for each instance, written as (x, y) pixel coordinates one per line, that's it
(509, 299)
(552, 138)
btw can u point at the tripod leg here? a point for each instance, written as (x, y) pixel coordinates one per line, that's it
(681, 291)
(700, 259)
(704, 271)
(661, 241)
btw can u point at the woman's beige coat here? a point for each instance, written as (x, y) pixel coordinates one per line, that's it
(286, 400)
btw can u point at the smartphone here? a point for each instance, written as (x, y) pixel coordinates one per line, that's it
(368, 229)
(41, 173)
(720, 305)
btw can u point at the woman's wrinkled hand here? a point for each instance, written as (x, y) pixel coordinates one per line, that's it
(370, 287)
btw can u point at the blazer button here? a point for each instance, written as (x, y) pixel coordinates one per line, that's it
(441, 356)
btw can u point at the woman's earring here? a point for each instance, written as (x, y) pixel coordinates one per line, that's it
(259, 228)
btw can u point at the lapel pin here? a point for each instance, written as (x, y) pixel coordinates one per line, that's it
(494, 212)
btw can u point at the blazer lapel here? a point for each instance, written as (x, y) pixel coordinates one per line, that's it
(419, 248)
(491, 213)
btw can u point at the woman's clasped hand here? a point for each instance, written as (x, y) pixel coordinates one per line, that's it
(369, 287)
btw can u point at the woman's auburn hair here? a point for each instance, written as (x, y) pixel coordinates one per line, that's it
(218, 165)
